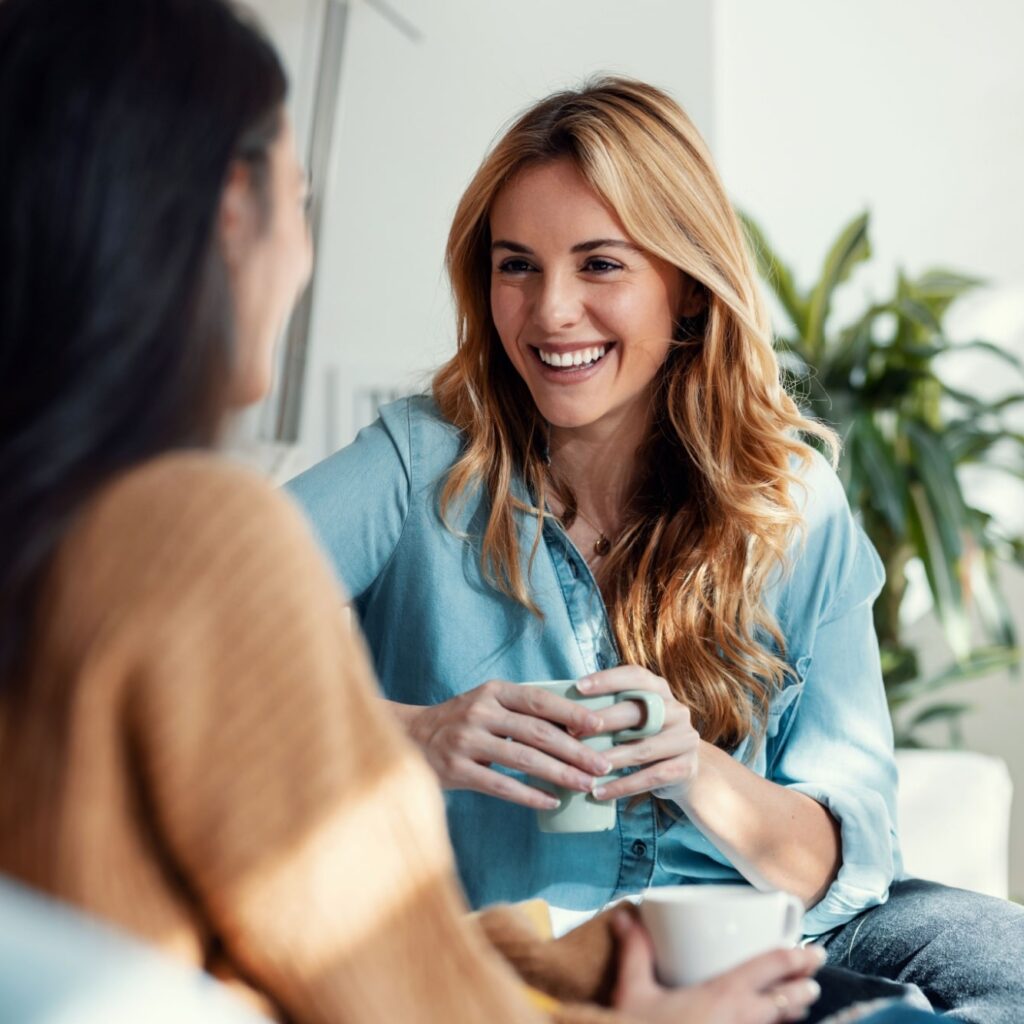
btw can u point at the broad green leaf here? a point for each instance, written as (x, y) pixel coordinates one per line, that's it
(941, 283)
(979, 663)
(982, 661)
(993, 611)
(923, 350)
(910, 308)
(937, 473)
(1006, 402)
(992, 349)
(935, 712)
(967, 441)
(939, 289)
(854, 344)
(942, 568)
(877, 464)
(777, 275)
(849, 249)
(965, 398)
(905, 741)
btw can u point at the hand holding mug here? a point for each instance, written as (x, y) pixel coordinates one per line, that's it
(770, 988)
(668, 760)
(586, 812)
(520, 727)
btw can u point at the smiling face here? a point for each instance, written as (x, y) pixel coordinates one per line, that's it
(585, 316)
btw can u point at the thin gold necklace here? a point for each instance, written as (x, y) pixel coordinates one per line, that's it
(602, 545)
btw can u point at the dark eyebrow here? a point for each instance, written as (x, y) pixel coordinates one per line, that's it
(501, 243)
(596, 243)
(604, 243)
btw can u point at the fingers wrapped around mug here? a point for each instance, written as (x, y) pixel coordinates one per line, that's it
(507, 725)
(666, 762)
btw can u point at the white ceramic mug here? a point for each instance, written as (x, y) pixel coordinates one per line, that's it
(699, 931)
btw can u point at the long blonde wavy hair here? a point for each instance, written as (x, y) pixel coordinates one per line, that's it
(715, 515)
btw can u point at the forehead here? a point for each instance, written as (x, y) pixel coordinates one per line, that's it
(552, 203)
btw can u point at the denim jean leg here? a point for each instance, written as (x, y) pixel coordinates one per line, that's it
(965, 951)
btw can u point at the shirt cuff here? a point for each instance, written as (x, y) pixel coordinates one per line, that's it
(869, 850)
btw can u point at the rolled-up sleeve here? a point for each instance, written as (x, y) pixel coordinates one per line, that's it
(838, 746)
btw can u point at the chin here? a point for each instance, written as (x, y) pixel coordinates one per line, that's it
(568, 416)
(250, 389)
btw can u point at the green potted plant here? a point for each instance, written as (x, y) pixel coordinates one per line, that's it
(908, 434)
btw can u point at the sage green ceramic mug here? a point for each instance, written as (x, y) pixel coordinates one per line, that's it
(581, 812)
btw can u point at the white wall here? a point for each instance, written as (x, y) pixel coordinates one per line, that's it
(913, 110)
(414, 122)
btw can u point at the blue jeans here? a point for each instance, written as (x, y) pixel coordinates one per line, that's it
(965, 951)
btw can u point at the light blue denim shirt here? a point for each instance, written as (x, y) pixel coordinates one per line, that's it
(436, 629)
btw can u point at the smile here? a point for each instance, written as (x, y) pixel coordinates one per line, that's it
(582, 358)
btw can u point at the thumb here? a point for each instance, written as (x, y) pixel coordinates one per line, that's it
(636, 960)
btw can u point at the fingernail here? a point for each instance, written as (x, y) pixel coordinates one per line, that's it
(584, 684)
(603, 767)
(551, 803)
(813, 988)
(599, 792)
(595, 723)
(819, 953)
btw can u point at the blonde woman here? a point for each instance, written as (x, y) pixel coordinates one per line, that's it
(609, 484)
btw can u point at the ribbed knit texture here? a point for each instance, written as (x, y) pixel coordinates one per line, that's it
(198, 754)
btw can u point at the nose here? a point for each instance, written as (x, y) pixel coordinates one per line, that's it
(558, 302)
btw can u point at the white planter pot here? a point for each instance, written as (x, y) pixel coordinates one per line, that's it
(954, 818)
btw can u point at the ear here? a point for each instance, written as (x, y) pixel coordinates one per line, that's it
(693, 298)
(236, 219)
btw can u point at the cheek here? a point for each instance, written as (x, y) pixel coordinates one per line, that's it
(297, 249)
(507, 310)
(639, 312)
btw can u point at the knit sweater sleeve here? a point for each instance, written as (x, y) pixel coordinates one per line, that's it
(309, 832)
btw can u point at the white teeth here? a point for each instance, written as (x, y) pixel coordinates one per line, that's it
(582, 357)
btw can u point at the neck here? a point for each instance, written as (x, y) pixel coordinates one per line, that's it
(599, 462)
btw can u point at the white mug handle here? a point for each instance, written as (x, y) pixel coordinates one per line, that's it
(793, 921)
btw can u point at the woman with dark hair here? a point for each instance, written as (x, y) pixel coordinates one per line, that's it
(190, 744)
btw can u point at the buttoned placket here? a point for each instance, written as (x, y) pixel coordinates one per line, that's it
(636, 820)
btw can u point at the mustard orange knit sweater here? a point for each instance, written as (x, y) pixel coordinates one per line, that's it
(197, 754)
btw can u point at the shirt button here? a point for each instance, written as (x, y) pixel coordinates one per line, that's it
(639, 848)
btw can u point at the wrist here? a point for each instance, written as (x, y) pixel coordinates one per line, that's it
(407, 715)
(688, 795)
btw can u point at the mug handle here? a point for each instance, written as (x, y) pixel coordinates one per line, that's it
(792, 922)
(654, 715)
